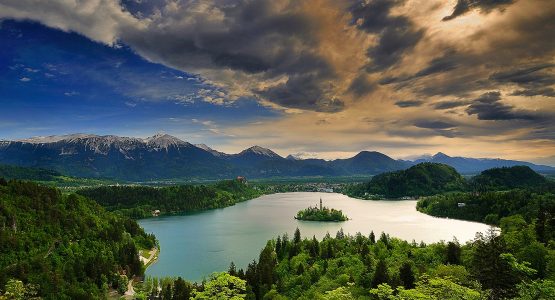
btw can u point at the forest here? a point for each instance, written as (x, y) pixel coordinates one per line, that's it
(140, 201)
(512, 264)
(56, 246)
(420, 180)
(17, 172)
(495, 194)
(428, 179)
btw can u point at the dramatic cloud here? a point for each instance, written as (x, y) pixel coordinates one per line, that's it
(547, 92)
(464, 6)
(489, 107)
(536, 80)
(445, 63)
(409, 103)
(396, 34)
(362, 85)
(99, 20)
(450, 104)
(335, 68)
(433, 124)
(283, 52)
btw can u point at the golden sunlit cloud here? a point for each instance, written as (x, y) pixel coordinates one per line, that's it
(402, 77)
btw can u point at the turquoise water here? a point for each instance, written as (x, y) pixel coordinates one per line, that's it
(194, 246)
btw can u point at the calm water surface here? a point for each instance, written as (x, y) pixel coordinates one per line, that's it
(193, 246)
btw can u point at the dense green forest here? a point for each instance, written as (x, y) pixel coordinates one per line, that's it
(497, 193)
(63, 246)
(16, 172)
(427, 179)
(322, 214)
(140, 201)
(46, 177)
(510, 265)
(423, 179)
(490, 207)
(509, 178)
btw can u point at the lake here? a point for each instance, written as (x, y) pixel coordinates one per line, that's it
(193, 246)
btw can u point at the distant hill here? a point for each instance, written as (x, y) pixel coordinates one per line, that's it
(367, 162)
(423, 179)
(36, 174)
(506, 178)
(466, 165)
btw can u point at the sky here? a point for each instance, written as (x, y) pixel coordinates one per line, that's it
(316, 78)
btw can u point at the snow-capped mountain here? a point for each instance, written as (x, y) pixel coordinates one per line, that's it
(259, 151)
(163, 156)
(214, 152)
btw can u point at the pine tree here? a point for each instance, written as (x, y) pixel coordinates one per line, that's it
(181, 289)
(489, 268)
(314, 247)
(266, 265)
(407, 275)
(232, 269)
(167, 292)
(297, 236)
(380, 275)
(453, 253)
(372, 238)
(384, 238)
(340, 234)
(278, 246)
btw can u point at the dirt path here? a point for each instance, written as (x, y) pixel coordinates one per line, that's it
(152, 254)
(130, 291)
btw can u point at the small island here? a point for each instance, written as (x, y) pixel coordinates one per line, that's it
(322, 214)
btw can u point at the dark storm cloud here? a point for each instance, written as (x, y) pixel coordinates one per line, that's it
(527, 76)
(489, 107)
(464, 6)
(535, 80)
(445, 63)
(442, 64)
(256, 38)
(397, 34)
(547, 92)
(409, 103)
(362, 86)
(431, 124)
(303, 92)
(450, 104)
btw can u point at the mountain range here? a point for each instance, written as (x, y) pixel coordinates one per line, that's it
(163, 156)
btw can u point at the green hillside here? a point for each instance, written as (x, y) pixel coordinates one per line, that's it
(420, 180)
(64, 246)
(508, 178)
(141, 201)
(16, 172)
